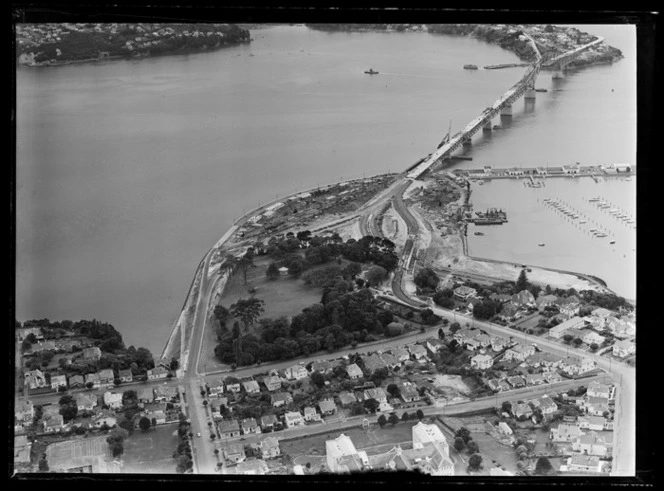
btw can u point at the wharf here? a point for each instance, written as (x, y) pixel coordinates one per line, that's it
(505, 65)
(595, 172)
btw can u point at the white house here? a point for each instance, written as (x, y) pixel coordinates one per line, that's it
(584, 463)
(157, 373)
(113, 400)
(592, 444)
(34, 379)
(58, 381)
(341, 456)
(270, 448)
(251, 387)
(296, 372)
(272, 383)
(558, 331)
(465, 292)
(481, 362)
(293, 419)
(519, 352)
(354, 372)
(566, 432)
(592, 337)
(624, 348)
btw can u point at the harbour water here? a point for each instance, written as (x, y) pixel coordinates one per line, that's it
(128, 171)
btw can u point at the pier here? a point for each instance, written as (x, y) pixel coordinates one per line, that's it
(531, 173)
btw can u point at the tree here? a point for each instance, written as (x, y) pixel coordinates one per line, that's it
(43, 464)
(127, 425)
(222, 314)
(376, 275)
(459, 444)
(393, 390)
(426, 279)
(441, 334)
(405, 416)
(420, 414)
(382, 420)
(475, 462)
(568, 338)
(578, 342)
(144, 423)
(464, 433)
(272, 271)
(521, 282)
(507, 407)
(594, 346)
(295, 268)
(543, 467)
(454, 327)
(248, 310)
(393, 419)
(371, 405)
(472, 447)
(318, 379)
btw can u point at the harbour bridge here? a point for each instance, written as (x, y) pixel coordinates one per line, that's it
(503, 106)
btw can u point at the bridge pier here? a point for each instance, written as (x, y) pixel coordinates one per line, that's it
(557, 75)
(506, 111)
(530, 93)
(468, 142)
(487, 127)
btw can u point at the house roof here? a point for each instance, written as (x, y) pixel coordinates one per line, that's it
(353, 369)
(106, 373)
(229, 425)
(281, 396)
(347, 398)
(125, 373)
(251, 385)
(327, 405)
(416, 348)
(145, 393)
(584, 460)
(292, 416)
(269, 442)
(249, 423)
(269, 419)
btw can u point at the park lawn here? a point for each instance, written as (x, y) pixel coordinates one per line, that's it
(151, 452)
(494, 454)
(284, 296)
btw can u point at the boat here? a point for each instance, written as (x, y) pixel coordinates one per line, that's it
(479, 233)
(612, 242)
(371, 71)
(541, 244)
(600, 235)
(470, 67)
(582, 221)
(594, 199)
(497, 127)
(540, 90)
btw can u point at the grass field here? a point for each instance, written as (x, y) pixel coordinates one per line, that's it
(151, 452)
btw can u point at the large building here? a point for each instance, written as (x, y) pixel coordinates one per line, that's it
(342, 456)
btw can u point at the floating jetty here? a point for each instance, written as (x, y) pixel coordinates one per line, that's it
(492, 216)
(505, 65)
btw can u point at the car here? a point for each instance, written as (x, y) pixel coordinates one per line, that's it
(198, 435)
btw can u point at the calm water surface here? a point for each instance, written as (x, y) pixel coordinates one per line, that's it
(128, 171)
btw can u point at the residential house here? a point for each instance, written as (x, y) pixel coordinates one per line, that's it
(229, 428)
(232, 386)
(401, 354)
(424, 434)
(472, 343)
(601, 312)
(516, 381)
(43, 346)
(293, 419)
(272, 383)
(234, 453)
(354, 372)
(157, 373)
(535, 379)
(94, 379)
(558, 331)
(24, 332)
(569, 309)
(595, 389)
(377, 393)
(572, 366)
(310, 414)
(544, 301)
(85, 402)
(165, 393)
(268, 421)
(270, 448)
(125, 375)
(504, 385)
(215, 406)
(106, 376)
(251, 467)
(483, 339)
(54, 424)
(296, 372)
(594, 423)
(249, 426)
(566, 433)
(575, 333)
(24, 411)
(104, 418)
(546, 405)
(494, 385)
(543, 359)
(429, 460)
(596, 406)
(592, 337)
(34, 379)
(342, 456)
(584, 463)
(481, 362)
(624, 348)
(621, 328)
(498, 343)
(408, 391)
(464, 292)
(418, 352)
(500, 297)
(508, 312)
(145, 394)
(519, 352)
(76, 381)
(521, 410)
(504, 427)
(322, 366)
(251, 387)
(390, 360)
(373, 362)
(432, 344)
(216, 388)
(58, 381)
(597, 323)
(592, 444)
(92, 354)
(327, 407)
(281, 398)
(346, 398)
(113, 400)
(523, 299)
(552, 377)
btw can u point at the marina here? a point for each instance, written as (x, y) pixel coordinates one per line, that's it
(611, 171)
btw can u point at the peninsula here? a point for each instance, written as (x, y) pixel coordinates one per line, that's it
(60, 44)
